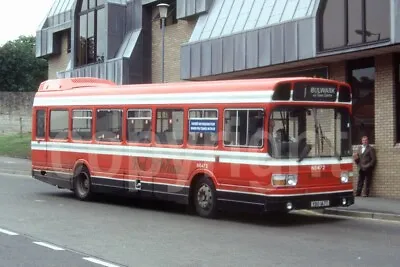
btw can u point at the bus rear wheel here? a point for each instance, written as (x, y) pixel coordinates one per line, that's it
(82, 185)
(204, 198)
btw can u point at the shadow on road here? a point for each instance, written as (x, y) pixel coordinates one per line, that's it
(297, 218)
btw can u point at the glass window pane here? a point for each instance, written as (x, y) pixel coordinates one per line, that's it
(101, 35)
(363, 86)
(59, 124)
(289, 10)
(83, 40)
(333, 23)
(91, 40)
(169, 127)
(109, 125)
(377, 20)
(82, 125)
(355, 22)
(40, 123)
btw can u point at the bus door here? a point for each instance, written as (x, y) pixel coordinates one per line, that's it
(39, 145)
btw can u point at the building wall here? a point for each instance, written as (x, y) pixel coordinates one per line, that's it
(15, 112)
(59, 62)
(175, 35)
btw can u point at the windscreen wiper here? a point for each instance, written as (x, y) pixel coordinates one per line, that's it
(323, 137)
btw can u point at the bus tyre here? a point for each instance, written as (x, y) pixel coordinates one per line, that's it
(204, 198)
(82, 185)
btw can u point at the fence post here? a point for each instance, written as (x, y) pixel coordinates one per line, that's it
(20, 126)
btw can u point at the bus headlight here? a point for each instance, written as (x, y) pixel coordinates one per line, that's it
(344, 177)
(284, 179)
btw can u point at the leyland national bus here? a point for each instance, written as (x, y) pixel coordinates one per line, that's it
(275, 145)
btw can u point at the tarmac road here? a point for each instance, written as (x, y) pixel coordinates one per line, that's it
(133, 233)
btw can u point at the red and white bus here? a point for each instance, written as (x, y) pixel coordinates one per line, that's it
(271, 144)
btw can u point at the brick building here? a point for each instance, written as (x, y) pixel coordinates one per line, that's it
(354, 41)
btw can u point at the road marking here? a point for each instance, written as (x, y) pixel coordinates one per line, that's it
(100, 262)
(7, 232)
(48, 246)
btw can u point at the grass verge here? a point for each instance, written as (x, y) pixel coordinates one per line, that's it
(16, 146)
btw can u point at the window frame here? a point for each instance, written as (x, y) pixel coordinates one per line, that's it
(203, 118)
(139, 118)
(247, 128)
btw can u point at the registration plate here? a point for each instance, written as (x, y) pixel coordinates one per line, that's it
(320, 203)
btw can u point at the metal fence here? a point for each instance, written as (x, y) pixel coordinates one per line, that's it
(13, 124)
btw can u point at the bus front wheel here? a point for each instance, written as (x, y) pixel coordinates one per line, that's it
(204, 198)
(82, 185)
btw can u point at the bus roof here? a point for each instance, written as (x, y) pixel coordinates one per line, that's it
(74, 88)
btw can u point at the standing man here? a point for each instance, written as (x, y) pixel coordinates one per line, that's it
(365, 158)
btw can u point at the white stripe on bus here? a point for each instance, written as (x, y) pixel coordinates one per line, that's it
(172, 98)
(251, 158)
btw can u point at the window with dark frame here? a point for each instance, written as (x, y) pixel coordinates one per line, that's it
(59, 125)
(91, 32)
(169, 126)
(361, 77)
(82, 125)
(109, 125)
(345, 23)
(139, 126)
(244, 128)
(40, 124)
(203, 127)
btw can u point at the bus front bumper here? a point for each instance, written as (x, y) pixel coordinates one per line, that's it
(312, 201)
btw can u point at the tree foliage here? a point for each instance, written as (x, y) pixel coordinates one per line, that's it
(20, 70)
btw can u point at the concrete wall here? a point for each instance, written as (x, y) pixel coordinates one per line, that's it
(15, 112)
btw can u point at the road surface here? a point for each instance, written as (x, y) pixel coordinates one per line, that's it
(124, 232)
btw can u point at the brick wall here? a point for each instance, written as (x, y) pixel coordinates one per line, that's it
(15, 112)
(175, 35)
(59, 62)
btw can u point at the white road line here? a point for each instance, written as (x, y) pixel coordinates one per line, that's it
(7, 232)
(100, 262)
(48, 245)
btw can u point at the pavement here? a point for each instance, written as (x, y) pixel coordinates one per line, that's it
(364, 207)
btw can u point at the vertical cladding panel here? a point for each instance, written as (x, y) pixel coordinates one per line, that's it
(290, 41)
(38, 45)
(116, 28)
(200, 5)
(217, 56)
(190, 7)
(130, 13)
(137, 15)
(110, 71)
(264, 47)
(228, 44)
(195, 56)
(180, 9)
(396, 20)
(44, 42)
(49, 42)
(252, 49)
(305, 39)
(240, 51)
(185, 62)
(206, 55)
(277, 44)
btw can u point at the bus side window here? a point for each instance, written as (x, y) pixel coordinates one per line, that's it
(139, 126)
(59, 124)
(203, 129)
(109, 125)
(169, 126)
(40, 123)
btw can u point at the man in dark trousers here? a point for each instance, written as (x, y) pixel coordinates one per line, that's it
(365, 158)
